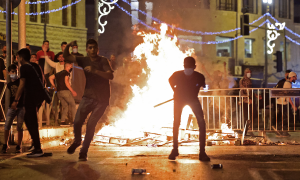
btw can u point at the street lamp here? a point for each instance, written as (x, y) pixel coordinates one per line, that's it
(267, 2)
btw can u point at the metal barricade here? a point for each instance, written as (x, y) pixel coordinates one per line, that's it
(262, 106)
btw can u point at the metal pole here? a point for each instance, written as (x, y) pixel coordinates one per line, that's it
(236, 41)
(285, 52)
(22, 25)
(8, 57)
(96, 34)
(266, 54)
(8, 47)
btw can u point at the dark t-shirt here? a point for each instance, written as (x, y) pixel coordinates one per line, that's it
(186, 87)
(2, 67)
(13, 88)
(60, 80)
(96, 87)
(280, 83)
(33, 86)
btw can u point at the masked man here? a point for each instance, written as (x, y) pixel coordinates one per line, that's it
(186, 85)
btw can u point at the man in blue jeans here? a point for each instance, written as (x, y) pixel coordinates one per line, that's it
(96, 94)
(11, 113)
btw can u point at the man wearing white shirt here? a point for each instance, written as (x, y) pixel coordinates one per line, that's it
(59, 66)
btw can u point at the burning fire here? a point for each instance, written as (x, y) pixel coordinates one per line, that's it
(163, 57)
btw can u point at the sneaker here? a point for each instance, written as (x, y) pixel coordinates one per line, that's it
(18, 149)
(4, 148)
(35, 153)
(173, 154)
(31, 148)
(203, 157)
(83, 157)
(73, 147)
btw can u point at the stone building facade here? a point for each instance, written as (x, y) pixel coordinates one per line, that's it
(216, 16)
(64, 25)
(220, 15)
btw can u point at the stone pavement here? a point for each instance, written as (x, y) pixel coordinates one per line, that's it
(113, 162)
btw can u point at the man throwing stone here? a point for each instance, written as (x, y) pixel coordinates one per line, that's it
(96, 94)
(186, 85)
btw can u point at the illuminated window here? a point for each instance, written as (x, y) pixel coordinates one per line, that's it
(224, 49)
(33, 9)
(149, 8)
(248, 48)
(134, 12)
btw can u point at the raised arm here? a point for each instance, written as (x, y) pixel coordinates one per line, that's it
(67, 55)
(48, 60)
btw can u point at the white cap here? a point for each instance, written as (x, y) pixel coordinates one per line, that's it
(292, 74)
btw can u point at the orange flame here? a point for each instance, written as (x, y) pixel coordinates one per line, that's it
(140, 115)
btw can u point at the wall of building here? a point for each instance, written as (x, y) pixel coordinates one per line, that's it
(213, 20)
(55, 31)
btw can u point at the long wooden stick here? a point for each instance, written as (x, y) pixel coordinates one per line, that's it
(163, 103)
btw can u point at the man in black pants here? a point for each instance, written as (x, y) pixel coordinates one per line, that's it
(96, 94)
(31, 83)
(186, 85)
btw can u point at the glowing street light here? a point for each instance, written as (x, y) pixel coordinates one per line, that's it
(268, 1)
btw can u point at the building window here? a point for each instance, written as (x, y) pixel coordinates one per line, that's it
(250, 5)
(271, 8)
(149, 8)
(64, 13)
(227, 5)
(45, 16)
(206, 4)
(284, 9)
(73, 12)
(33, 9)
(134, 12)
(248, 48)
(224, 49)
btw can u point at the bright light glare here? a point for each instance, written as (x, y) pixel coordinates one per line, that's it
(268, 1)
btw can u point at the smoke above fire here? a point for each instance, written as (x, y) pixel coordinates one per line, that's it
(158, 57)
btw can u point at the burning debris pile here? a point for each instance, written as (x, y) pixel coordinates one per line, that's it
(186, 137)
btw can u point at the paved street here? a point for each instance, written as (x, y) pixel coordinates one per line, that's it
(112, 162)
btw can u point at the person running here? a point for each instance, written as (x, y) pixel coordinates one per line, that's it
(11, 113)
(65, 92)
(96, 95)
(186, 85)
(31, 84)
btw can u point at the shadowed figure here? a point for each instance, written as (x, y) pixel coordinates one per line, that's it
(186, 85)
